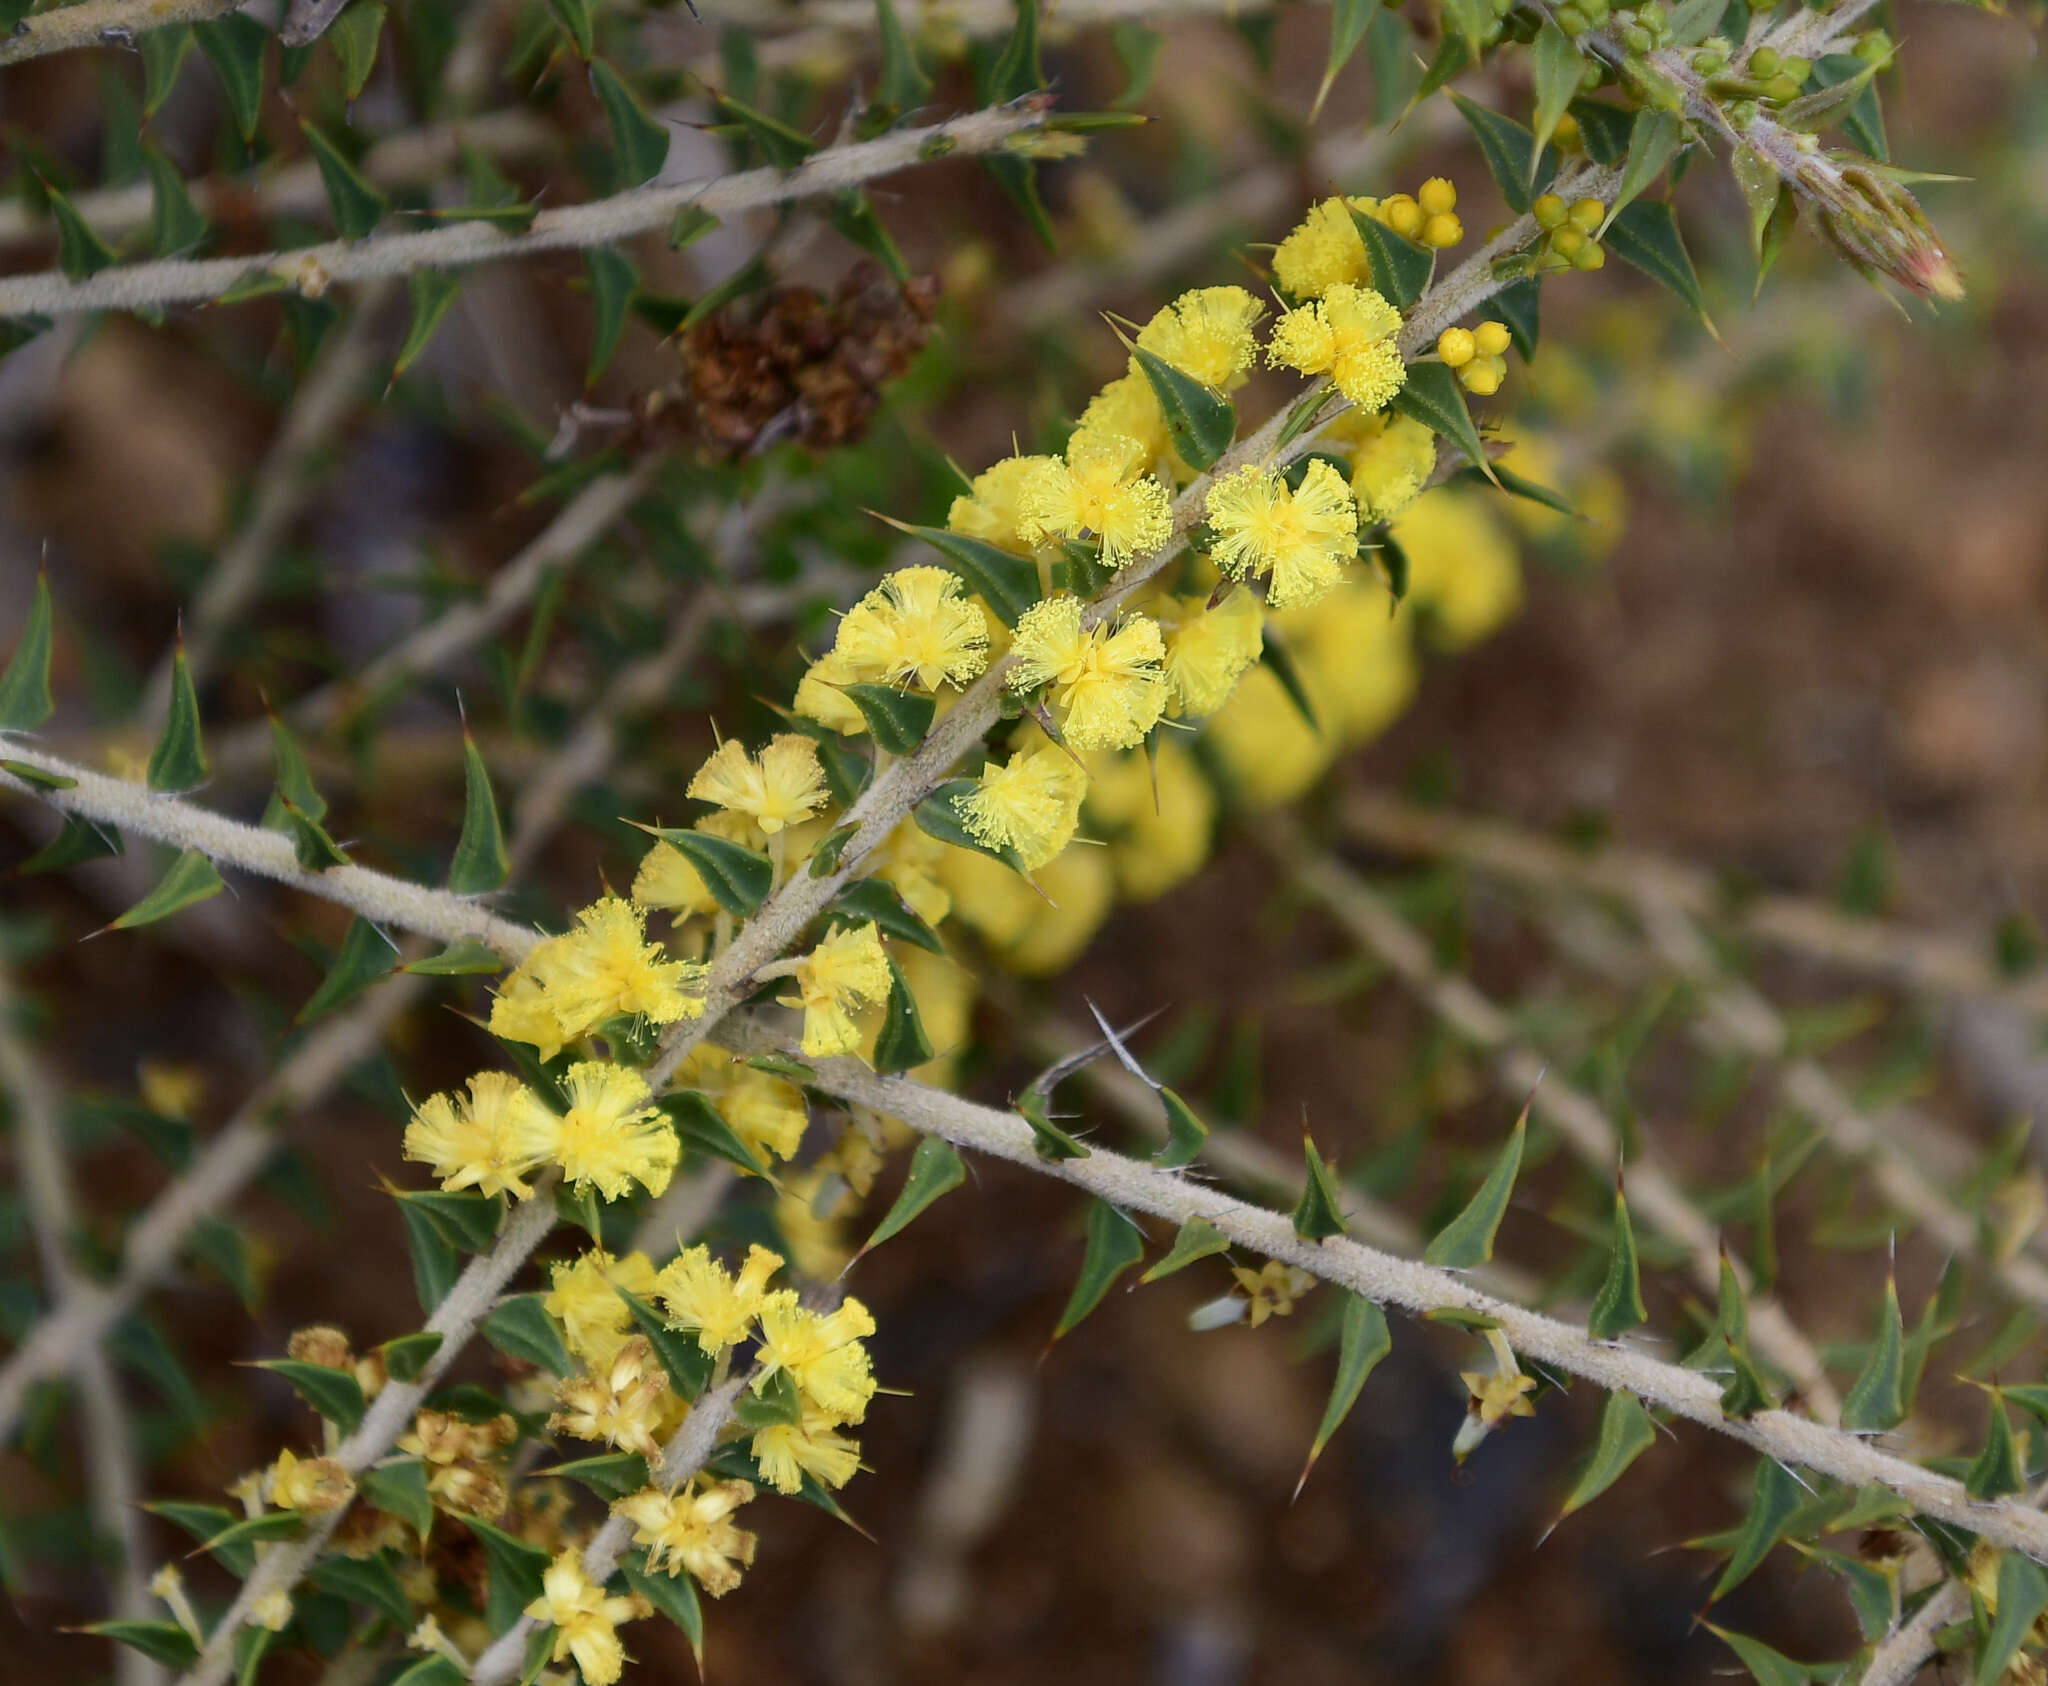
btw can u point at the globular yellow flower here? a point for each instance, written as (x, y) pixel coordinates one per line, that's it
(1355, 656)
(1102, 489)
(992, 509)
(692, 1530)
(666, 879)
(1324, 251)
(821, 1353)
(819, 697)
(1109, 683)
(585, 1619)
(908, 861)
(787, 1452)
(988, 896)
(1391, 460)
(311, 1486)
(1081, 886)
(1031, 804)
(605, 968)
(583, 1296)
(1462, 566)
(1298, 540)
(779, 788)
(698, 1294)
(1127, 408)
(1206, 334)
(1208, 646)
(918, 627)
(764, 1112)
(613, 1135)
(1347, 334)
(1269, 753)
(490, 1140)
(622, 1405)
(848, 970)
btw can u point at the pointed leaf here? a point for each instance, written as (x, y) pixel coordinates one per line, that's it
(1511, 154)
(1863, 122)
(875, 901)
(370, 1581)
(226, 1251)
(1618, 1307)
(938, 815)
(1137, 49)
(294, 778)
(1319, 1213)
(1451, 56)
(785, 148)
(1645, 234)
(1432, 396)
(2022, 1596)
(246, 1531)
(1275, 655)
(400, 1490)
(1557, 68)
(1874, 1400)
(515, 1573)
(1745, 1393)
(191, 879)
(234, 46)
(431, 292)
(1114, 1245)
(1196, 1239)
(904, 85)
(179, 759)
(1018, 71)
(435, 1262)
(1185, 1132)
(1007, 584)
(164, 52)
(79, 841)
(161, 1642)
(354, 36)
(80, 252)
(1651, 145)
(468, 1221)
(897, 720)
(674, 1596)
(25, 699)
(612, 282)
(335, 1394)
(521, 1328)
(1467, 1240)
(575, 17)
(1604, 128)
(1997, 1470)
(1048, 1140)
(366, 955)
(1365, 1341)
(902, 1043)
(610, 1476)
(701, 1127)
(687, 1363)
(1348, 21)
(1767, 1667)
(640, 143)
(433, 1670)
(480, 862)
(1773, 1499)
(853, 215)
(1400, 269)
(357, 206)
(738, 878)
(935, 1169)
(1625, 1434)
(1200, 421)
(314, 850)
(1519, 308)
(408, 1355)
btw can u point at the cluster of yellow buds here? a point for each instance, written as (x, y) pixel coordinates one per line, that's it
(1429, 217)
(1479, 355)
(1570, 232)
(1326, 251)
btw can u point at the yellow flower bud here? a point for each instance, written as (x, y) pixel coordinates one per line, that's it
(1566, 134)
(1568, 242)
(1549, 211)
(1402, 215)
(1589, 256)
(1442, 230)
(1483, 378)
(1456, 346)
(1492, 338)
(1588, 214)
(1436, 196)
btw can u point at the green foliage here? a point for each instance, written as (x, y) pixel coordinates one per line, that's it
(1114, 1245)
(25, 698)
(1467, 1240)
(936, 1168)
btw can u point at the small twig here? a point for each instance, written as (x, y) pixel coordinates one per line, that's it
(102, 23)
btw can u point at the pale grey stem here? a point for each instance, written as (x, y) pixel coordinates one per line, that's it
(106, 1438)
(171, 281)
(295, 190)
(376, 896)
(1523, 1073)
(685, 1454)
(102, 23)
(284, 484)
(1903, 1654)
(455, 1319)
(1419, 1288)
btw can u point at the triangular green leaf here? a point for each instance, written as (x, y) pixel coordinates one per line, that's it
(191, 879)
(1319, 1214)
(640, 143)
(246, 1531)
(1400, 269)
(1518, 305)
(370, 1581)
(674, 1595)
(515, 1569)
(1185, 1132)
(79, 841)
(1467, 1240)
(80, 252)
(234, 46)
(1348, 21)
(897, 720)
(431, 292)
(904, 86)
(163, 52)
(1651, 145)
(1200, 421)
(179, 760)
(782, 146)
(408, 1355)
(1114, 1245)
(161, 1642)
(1017, 71)
(1618, 1307)
(468, 1221)
(1625, 1434)
(335, 1394)
(688, 1364)
(938, 815)
(1008, 584)
(466, 957)
(400, 1490)
(874, 900)
(25, 699)
(700, 1126)
(902, 1042)
(1645, 234)
(1048, 1140)
(435, 1262)
(2022, 1596)
(853, 215)
(354, 36)
(1863, 122)
(691, 224)
(578, 23)
(1874, 1400)
(1137, 50)
(935, 1169)
(228, 1252)
(480, 862)
(1511, 154)
(1432, 396)
(357, 206)
(521, 1328)
(366, 955)
(612, 282)
(1604, 128)
(1196, 1239)
(1773, 1498)
(1997, 1470)
(738, 878)
(311, 846)
(434, 1670)
(610, 1476)
(1745, 1392)
(1364, 1342)
(1767, 1667)
(1557, 68)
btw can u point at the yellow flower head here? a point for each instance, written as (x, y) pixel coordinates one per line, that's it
(311, 1486)
(908, 862)
(821, 1352)
(697, 1293)
(1127, 408)
(849, 969)
(992, 509)
(818, 696)
(1356, 657)
(1462, 566)
(1207, 649)
(1269, 753)
(1030, 804)
(918, 627)
(1301, 538)
(585, 1619)
(1081, 885)
(764, 1112)
(693, 1531)
(491, 1140)
(622, 1404)
(1101, 489)
(1109, 684)
(1206, 334)
(605, 968)
(1324, 251)
(613, 1136)
(1347, 334)
(666, 878)
(780, 788)
(787, 1452)
(583, 1296)
(1392, 460)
